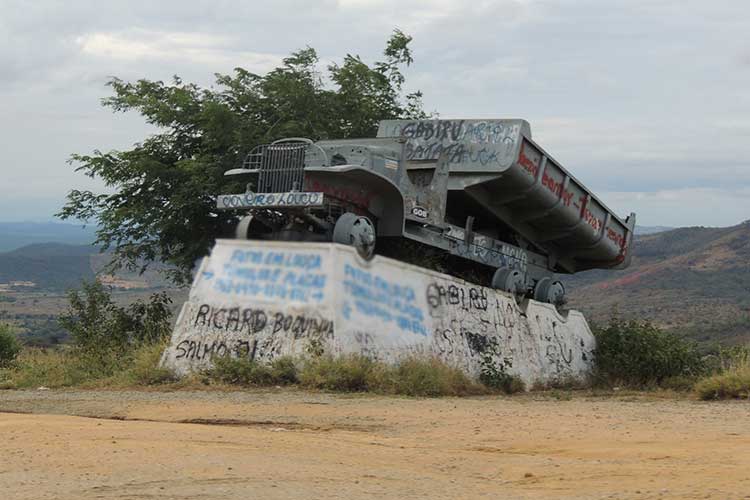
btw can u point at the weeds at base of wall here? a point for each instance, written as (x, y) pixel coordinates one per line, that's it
(422, 377)
(496, 377)
(239, 371)
(352, 373)
(568, 383)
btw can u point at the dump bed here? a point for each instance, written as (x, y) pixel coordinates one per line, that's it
(499, 166)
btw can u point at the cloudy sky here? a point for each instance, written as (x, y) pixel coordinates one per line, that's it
(646, 101)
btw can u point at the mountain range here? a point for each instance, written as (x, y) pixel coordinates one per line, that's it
(695, 280)
(15, 235)
(49, 266)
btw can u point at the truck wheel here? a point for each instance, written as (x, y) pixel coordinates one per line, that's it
(511, 281)
(249, 228)
(357, 231)
(550, 291)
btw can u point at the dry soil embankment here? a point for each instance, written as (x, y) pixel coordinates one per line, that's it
(288, 444)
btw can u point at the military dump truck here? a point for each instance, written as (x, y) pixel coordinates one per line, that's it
(480, 191)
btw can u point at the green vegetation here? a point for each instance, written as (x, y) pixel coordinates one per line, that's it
(99, 327)
(50, 266)
(353, 373)
(350, 373)
(638, 354)
(9, 346)
(730, 384)
(240, 371)
(68, 367)
(693, 281)
(114, 346)
(496, 377)
(428, 377)
(109, 342)
(44, 368)
(202, 132)
(144, 368)
(121, 346)
(732, 378)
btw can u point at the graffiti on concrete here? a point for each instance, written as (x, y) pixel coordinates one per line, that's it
(378, 297)
(269, 275)
(472, 142)
(383, 309)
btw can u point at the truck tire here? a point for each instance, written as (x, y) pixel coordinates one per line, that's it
(357, 231)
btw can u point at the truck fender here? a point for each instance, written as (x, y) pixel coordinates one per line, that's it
(370, 190)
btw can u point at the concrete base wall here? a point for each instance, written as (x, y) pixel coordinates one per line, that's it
(267, 299)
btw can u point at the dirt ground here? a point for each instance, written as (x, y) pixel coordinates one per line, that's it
(289, 444)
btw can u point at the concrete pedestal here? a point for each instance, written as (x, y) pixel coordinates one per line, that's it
(267, 299)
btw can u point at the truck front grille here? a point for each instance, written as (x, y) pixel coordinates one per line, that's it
(280, 166)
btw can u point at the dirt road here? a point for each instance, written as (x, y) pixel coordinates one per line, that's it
(288, 444)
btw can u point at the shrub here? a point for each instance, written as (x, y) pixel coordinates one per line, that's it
(9, 346)
(732, 384)
(732, 357)
(284, 370)
(105, 335)
(733, 379)
(430, 377)
(49, 368)
(680, 383)
(66, 367)
(145, 369)
(411, 376)
(494, 376)
(242, 371)
(96, 323)
(640, 354)
(111, 344)
(343, 373)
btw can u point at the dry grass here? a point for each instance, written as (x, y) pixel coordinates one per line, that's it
(351, 373)
(66, 367)
(731, 383)
(411, 376)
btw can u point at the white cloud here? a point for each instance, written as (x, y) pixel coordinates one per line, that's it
(684, 207)
(645, 102)
(197, 48)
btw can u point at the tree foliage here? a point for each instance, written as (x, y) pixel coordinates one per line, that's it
(639, 353)
(102, 329)
(162, 201)
(9, 346)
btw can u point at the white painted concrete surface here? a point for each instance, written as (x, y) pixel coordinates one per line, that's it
(268, 299)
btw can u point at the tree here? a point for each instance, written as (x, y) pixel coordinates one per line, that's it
(9, 346)
(101, 328)
(162, 206)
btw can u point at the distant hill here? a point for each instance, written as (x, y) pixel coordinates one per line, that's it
(50, 266)
(59, 266)
(694, 279)
(15, 235)
(651, 229)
